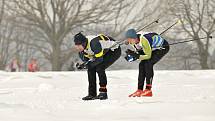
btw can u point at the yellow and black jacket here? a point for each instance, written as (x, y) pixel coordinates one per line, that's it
(96, 47)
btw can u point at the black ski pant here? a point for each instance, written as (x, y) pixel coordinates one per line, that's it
(109, 58)
(146, 71)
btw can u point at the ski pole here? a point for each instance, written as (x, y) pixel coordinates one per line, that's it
(189, 40)
(183, 42)
(155, 21)
(120, 42)
(169, 27)
(85, 63)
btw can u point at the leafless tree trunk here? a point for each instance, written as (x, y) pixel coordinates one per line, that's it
(53, 20)
(6, 31)
(197, 17)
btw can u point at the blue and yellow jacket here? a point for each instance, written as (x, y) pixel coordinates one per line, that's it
(148, 43)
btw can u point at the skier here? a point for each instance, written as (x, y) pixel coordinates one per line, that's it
(149, 49)
(15, 66)
(98, 53)
(33, 65)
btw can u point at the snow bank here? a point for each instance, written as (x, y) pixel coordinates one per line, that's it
(56, 96)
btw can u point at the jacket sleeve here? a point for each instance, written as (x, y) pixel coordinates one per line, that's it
(98, 51)
(146, 49)
(82, 57)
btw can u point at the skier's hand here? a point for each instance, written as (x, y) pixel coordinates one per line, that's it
(128, 51)
(80, 66)
(132, 53)
(130, 58)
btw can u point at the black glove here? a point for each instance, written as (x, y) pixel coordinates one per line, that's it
(132, 53)
(128, 51)
(81, 66)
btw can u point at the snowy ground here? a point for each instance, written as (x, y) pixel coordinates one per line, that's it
(56, 96)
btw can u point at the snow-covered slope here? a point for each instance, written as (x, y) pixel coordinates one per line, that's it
(56, 96)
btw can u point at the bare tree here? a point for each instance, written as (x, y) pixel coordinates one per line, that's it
(54, 20)
(198, 19)
(137, 15)
(6, 32)
(46, 27)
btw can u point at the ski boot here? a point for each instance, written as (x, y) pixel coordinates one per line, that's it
(146, 93)
(136, 94)
(89, 97)
(102, 96)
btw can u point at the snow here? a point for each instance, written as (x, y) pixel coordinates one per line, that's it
(56, 96)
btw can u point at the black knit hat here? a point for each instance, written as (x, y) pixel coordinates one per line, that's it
(80, 39)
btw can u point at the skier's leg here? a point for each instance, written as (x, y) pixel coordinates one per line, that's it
(141, 80)
(92, 81)
(103, 82)
(108, 60)
(103, 79)
(92, 85)
(141, 76)
(149, 71)
(148, 67)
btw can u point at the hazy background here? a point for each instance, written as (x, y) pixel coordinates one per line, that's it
(44, 29)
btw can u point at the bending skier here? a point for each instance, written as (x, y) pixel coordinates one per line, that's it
(149, 49)
(97, 56)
